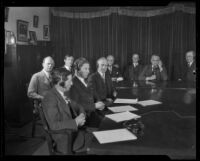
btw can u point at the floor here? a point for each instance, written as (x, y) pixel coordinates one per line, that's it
(18, 141)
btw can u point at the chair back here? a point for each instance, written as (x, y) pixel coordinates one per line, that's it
(50, 141)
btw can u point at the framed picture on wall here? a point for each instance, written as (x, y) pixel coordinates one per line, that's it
(22, 31)
(46, 32)
(35, 21)
(33, 37)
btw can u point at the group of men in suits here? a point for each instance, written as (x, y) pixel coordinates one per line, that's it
(73, 98)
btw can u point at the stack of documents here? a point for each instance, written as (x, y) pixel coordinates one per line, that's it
(109, 136)
(122, 108)
(123, 116)
(149, 102)
(126, 101)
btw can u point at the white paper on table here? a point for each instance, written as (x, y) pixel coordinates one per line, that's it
(122, 108)
(149, 102)
(128, 101)
(123, 116)
(120, 79)
(109, 136)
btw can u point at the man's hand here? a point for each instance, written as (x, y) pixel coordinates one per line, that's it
(99, 105)
(80, 119)
(153, 77)
(160, 65)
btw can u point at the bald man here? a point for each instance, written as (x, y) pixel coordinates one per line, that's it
(101, 83)
(190, 72)
(155, 71)
(41, 82)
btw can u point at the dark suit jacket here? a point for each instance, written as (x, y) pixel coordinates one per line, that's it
(38, 85)
(59, 117)
(82, 94)
(147, 71)
(100, 89)
(190, 72)
(114, 73)
(132, 73)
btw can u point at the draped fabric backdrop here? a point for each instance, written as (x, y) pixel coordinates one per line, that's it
(168, 35)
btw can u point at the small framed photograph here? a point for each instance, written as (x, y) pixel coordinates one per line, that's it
(22, 31)
(33, 37)
(46, 32)
(6, 14)
(35, 21)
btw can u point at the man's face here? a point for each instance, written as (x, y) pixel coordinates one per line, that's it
(48, 64)
(68, 83)
(103, 65)
(189, 57)
(135, 58)
(69, 61)
(110, 60)
(155, 60)
(84, 71)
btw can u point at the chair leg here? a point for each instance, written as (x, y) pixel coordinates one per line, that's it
(33, 127)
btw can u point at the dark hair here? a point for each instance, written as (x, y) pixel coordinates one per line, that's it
(66, 56)
(59, 74)
(78, 63)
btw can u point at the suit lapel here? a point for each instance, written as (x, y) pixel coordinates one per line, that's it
(63, 103)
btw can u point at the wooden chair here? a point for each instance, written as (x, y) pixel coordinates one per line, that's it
(48, 132)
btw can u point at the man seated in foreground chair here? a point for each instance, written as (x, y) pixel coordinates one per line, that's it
(62, 113)
(101, 83)
(112, 70)
(154, 72)
(80, 92)
(41, 82)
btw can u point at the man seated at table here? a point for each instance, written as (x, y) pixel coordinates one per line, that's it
(154, 72)
(80, 92)
(189, 72)
(41, 82)
(113, 70)
(101, 83)
(133, 71)
(62, 113)
(69, 59)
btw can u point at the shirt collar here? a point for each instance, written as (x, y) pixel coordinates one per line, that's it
(82, 80)
(68, 68)
(101, 73)
(46, 73)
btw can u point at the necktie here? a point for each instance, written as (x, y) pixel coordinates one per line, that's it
(70, 108)
(103, 76)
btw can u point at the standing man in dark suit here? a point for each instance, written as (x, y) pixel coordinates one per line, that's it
(69, 59)
(62, 113)
(154, 72)
(133, 71)
(113, 70)
(101, 83)
(41, 82)
(190, 69)
(80, 92)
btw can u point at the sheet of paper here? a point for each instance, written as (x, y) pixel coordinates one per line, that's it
(122, 108)
(123, 116)
(149, 102)
(127, 101)
(109, 136)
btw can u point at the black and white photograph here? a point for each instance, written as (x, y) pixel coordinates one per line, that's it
(102, 80)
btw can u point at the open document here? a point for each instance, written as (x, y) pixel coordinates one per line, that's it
(122, 108)
(109, 136)
(123, 116)
(149, 102)
(126, 101)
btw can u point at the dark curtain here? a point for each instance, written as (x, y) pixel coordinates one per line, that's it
(169, 36)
